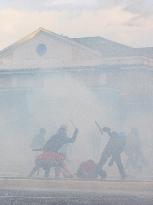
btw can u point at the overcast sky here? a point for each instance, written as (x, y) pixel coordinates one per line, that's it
(126, 21)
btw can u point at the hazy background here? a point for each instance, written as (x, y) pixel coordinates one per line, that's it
(125, 21)
(63, 99)
(128, 22)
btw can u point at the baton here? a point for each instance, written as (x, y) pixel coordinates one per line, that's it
(72, 124)
(99, 128)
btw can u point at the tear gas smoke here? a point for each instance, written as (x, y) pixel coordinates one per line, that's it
(60, 100)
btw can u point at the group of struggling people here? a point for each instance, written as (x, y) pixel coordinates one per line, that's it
(51, 156)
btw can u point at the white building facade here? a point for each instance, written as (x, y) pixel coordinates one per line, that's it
(124, 83)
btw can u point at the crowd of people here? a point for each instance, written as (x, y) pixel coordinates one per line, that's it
(118, 143)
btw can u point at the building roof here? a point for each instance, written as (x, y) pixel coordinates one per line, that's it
(94, 51)
(51, 34)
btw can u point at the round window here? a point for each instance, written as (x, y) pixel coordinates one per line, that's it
(41, 49)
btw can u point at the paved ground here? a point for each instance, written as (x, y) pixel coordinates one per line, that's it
(67, 192)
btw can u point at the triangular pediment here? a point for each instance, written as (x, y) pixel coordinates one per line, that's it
(45, 49)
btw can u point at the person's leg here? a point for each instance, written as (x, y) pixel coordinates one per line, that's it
(118, 161)
(57, 172)
(104, 157)
(66, 171)
(33, 171)
(47, 171)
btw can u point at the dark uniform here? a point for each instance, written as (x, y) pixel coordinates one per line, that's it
(113, 150)
(56, 142)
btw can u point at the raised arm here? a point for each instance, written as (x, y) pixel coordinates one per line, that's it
(74, 136)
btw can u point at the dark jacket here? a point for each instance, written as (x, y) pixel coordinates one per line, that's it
(56, 142)
(116, 142)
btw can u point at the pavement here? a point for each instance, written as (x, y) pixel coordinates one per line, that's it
(22, 191)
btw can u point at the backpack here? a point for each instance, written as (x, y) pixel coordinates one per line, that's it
(87, 169)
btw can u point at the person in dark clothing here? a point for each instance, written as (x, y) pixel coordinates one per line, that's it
(51, 156)
(56, 142)
(113, 150)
